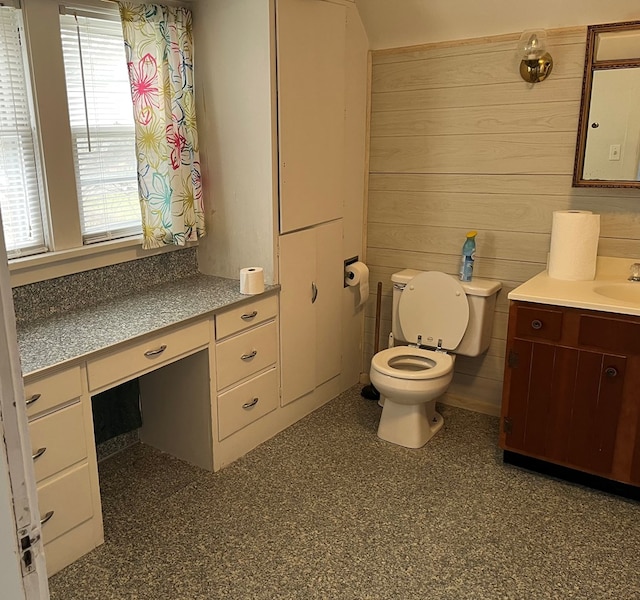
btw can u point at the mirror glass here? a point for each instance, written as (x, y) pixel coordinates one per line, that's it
(608, 148)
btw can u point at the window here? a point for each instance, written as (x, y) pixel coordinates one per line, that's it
(20, 187)
(101, 120)
(68, 174)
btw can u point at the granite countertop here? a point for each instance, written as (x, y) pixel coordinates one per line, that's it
(610, 291)
(52, 341)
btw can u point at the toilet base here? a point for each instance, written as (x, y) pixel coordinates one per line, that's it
(409, 425)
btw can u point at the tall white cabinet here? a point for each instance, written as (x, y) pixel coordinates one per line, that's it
(311, 111)
(310, 303)
(311, 58)
(282, 93)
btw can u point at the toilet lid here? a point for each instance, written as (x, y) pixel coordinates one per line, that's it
(433, 305)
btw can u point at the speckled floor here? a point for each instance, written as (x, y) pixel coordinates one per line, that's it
(326, 510)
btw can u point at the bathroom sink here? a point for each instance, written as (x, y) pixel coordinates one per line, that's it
(625, 292)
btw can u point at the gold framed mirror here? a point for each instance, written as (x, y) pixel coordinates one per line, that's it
(608, 145)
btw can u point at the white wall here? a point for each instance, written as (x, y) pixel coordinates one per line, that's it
(235, 97)
(410, 22)
(357, 92)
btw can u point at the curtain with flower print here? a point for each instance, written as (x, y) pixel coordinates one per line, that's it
(159, 50)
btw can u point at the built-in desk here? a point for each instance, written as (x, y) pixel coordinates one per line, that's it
(207, 360)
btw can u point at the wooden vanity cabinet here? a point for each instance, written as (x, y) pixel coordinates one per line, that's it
(571, 391)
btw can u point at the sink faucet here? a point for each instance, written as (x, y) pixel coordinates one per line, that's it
(635, 272)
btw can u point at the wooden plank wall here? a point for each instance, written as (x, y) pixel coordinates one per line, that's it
(459, 141)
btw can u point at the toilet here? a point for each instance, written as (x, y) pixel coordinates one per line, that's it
(434, 316)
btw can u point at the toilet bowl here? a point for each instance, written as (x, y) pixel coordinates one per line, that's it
(410, 379)
(432, 313)
(413, 371)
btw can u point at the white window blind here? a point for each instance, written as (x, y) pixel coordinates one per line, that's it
(20, 189)
(102, 126)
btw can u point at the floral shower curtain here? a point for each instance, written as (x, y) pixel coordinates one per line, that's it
(159, 49)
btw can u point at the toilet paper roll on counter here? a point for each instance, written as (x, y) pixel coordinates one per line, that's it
(251, 280)
(574, 245)
(357, 275)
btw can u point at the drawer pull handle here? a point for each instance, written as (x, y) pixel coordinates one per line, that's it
(249, 356)
(249, 316)
(33, 398)
(38, 453)
(611, 371)
(248, 405)
(536, 324)
(152, 353)
(47, 517)
(314, 292)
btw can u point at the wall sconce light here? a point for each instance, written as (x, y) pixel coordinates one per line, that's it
(535, 62)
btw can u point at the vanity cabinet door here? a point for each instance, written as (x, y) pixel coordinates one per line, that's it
(570, 396)
(564, 405)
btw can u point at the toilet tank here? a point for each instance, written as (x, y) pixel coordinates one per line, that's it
(481, 295)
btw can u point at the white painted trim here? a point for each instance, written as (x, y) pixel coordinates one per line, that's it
(18, 496)
(10, 574)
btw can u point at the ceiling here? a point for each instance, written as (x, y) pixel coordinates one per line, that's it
(397, 23)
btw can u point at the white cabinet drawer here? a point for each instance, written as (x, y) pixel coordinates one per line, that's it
(143, 356)
(61, 436)
(246, 403)
(69, 499)
(245, 316)
(246, 354)
(46, 393)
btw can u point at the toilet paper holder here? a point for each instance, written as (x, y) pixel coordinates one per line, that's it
(347, 262)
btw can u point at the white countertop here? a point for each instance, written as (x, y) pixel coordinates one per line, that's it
(610, 291)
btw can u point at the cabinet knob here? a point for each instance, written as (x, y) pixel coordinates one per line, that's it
(38, 453)
(33, 399)
(536, 324)
(611, 371)
(156, 352)
(251, 404)
(46, 518)
(249, 356)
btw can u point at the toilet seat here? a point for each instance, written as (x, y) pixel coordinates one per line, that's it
(436, 364)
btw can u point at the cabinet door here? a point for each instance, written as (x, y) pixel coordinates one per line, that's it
(330, 283)
(311, 104)
(297, 314)
(563, 404)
